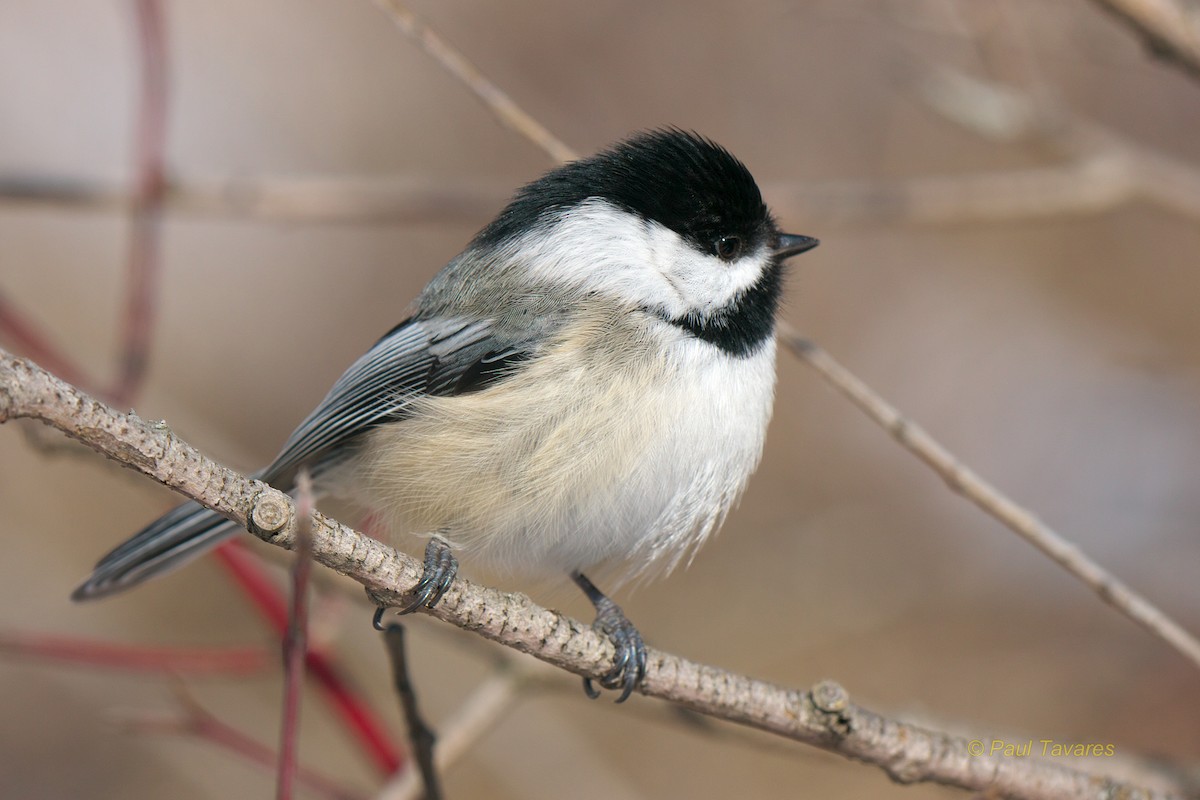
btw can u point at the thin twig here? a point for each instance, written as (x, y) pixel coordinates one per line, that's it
(420, 735)
(966, 482)
(498, 102)
(348, 702)
(295, 642)
(477, 715)
(1103, 169)
(823, 717)
(135, 658)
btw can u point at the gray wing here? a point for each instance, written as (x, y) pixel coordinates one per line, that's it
(438, 356)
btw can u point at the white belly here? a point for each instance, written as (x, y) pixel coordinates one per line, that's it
(631, 451)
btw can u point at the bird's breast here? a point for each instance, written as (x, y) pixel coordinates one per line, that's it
(622, 439)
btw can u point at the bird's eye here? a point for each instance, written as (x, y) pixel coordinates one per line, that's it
(727, 248)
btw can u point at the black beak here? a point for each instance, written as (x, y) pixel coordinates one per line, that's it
(788, 245)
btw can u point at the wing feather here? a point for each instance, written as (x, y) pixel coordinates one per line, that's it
(428, 356)
(440, 356)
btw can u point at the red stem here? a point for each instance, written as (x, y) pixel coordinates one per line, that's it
(26, 337)
(353, 710)
(206, 727)
(295, 643)
(137, 321)
(175, 660)
(141, 289)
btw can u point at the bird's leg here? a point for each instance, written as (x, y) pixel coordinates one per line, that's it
(629, 661)
(441, 567)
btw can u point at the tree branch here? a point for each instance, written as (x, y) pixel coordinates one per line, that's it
(823, 717)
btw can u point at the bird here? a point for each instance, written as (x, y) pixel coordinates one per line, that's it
(588, 383)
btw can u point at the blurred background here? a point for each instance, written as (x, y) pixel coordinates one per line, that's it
(979, 267)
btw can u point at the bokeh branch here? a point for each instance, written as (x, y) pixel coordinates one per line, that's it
(1088, 184)
(145, 245)
(97, 653)
(271, 199)
(823, 717)
(1170, 28)
(1099, 171)
(144, 204)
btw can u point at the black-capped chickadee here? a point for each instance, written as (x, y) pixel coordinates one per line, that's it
(589, 381)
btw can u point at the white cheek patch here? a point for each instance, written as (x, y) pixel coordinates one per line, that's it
(597, 247)
(707, 283)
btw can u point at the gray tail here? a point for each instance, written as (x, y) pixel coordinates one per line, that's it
(169, 542)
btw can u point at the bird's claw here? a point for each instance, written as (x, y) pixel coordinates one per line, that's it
(629, 657)
(441, 568)
(629, 660)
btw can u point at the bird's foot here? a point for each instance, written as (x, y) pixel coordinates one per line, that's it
(629, 660)
(441, 568)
